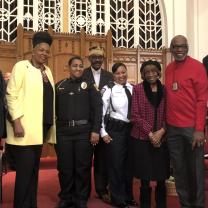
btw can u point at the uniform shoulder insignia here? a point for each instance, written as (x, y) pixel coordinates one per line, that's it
(102, 91)
(96, 87)
(110, 84)
(58, 85)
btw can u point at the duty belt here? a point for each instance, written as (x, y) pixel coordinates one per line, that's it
(72, 123)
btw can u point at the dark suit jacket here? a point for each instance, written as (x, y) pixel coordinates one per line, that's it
(105, 77)
(2, 107)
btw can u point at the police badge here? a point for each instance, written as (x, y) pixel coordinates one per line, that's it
(83, 85)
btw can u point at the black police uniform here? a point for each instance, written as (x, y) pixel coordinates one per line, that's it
(79, 112)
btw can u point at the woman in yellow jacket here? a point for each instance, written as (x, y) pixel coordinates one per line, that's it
(30, 99)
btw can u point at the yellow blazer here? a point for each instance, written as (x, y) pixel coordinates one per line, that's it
(25, 101)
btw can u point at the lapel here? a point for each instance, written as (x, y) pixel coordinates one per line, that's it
(49, 75)
(102, 79)
(91, 77)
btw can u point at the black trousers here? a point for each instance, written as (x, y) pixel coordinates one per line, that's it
(27, 159)
(74, 160)
(100, 169)
(188, 166)
(120, 177)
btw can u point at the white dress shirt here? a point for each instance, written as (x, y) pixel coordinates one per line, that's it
(96, 75)
(119, 102)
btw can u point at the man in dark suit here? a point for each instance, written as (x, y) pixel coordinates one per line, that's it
(100, 77)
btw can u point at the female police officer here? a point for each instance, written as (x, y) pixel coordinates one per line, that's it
(79, 115)
(116, 134)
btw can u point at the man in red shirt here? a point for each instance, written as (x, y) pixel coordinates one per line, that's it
(187, 93)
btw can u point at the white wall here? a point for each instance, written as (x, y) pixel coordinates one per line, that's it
(203, 28)
(189, 18)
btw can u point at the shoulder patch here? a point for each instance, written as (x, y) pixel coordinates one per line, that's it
(102, 91)
(58, 85)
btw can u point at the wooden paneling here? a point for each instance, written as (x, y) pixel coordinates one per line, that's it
(66, 45)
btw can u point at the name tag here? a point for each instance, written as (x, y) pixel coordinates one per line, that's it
(175, 86)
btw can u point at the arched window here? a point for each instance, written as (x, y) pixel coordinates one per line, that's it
(134, 23)
(150, 24)
(80, 16)
(8, 20)
(32, 14)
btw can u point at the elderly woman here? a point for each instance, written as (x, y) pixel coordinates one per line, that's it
(116, 134)
(148, 120)
(30, 99)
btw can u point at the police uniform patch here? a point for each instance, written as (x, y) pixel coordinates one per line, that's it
(83, 85)
(96, 87)
(102, 91)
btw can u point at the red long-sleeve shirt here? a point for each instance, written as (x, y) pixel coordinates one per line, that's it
(186, 106)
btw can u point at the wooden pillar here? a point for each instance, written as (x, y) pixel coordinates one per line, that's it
(20, 43)
(51, 59)
(109, 50)
(82, 44)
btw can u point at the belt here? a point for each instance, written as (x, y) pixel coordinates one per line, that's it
(72, 123)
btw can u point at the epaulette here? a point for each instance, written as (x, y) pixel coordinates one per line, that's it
(110, 84)
(61, 82)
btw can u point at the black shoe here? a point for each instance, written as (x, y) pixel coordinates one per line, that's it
(131, 203)
(123, 205)
(105, 197)
(64, 204)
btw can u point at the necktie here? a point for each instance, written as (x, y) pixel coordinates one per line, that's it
(128, 94)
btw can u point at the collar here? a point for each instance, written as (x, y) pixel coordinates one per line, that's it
(76, 80)
(96, 71)
(181, 63)
(127, 84)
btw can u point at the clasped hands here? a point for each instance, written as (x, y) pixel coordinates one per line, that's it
(155, 137)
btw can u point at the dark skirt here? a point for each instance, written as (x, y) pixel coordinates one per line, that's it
(150, 163)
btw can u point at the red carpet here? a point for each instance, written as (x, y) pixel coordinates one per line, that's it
(49, 187)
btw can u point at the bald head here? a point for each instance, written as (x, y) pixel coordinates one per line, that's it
(179, 47)
(178, 38)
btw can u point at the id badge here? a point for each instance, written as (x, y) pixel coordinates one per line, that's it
(175, 86)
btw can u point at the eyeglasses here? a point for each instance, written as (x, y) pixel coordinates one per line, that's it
(183, 46)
